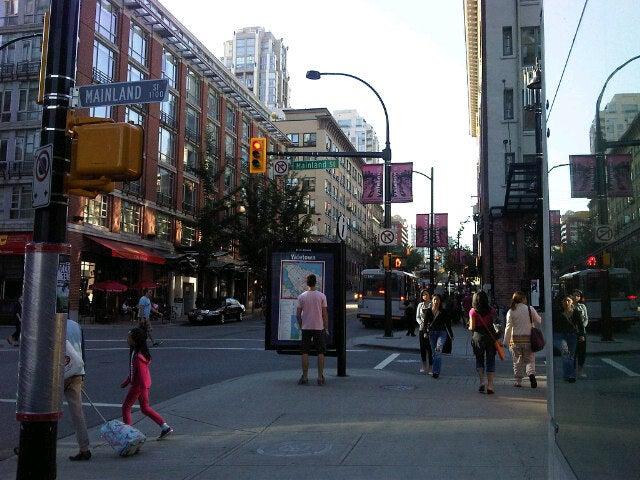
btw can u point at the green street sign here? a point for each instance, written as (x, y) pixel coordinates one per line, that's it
(314, 164)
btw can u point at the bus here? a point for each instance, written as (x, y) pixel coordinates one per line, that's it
(371, 295)
(624, 305)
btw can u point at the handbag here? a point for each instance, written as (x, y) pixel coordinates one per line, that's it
(73, 364)
(537, 338)
(496, 344)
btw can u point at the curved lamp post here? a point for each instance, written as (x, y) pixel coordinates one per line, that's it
(386, 156)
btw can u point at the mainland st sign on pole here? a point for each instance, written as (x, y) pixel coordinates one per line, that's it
(122, 93)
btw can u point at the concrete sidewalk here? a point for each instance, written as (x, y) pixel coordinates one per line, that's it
(370, 425)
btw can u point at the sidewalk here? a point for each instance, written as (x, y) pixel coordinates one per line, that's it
(370, 425)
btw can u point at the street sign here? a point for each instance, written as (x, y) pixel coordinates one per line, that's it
(603, 234)
(387, 238)
(281, 167)
(122, 93)
(315, 164)
(342, 228)
(43, 158)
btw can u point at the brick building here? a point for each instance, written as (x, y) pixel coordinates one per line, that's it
(142, 232)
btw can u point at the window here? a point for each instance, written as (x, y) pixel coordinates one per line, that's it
(130, 217)
(230, 147)
(137, 44)
(213, 139)
(213, 104)
(168, 110)
(96, 211)
(134, 74)
(166, 146)
(103, 62)
(188, 235)
(507, 41)
(190, 158)
(528, 119)
(163, 227)
(310, 204)
(102, 112)
(294, 138)
(245, 131)
(231, 119)
(21, 202)
(189, 197)
(509, 159)
(31, 50)
(244, 160)
(309, 140)
(134, 115)
(192, 123)
(530, 45)
(26, 142)
(169, 67)
(309, 184)
(5, 106)
(229, 178)
(508, 103)
(193, 87)
(511, 243)
(106, 19)
(164, 187)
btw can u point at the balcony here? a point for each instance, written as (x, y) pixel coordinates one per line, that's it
(164, 199)
(168, 120)
(132, 188)
(33, 18)
(27, 70)
(100, 77)
(9, 21)
(192, 136)
(16, 169)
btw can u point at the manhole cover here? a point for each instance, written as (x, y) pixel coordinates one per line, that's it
(295, 449)
(399, 388)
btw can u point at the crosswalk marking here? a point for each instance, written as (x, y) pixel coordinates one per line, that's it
(386, 361)
(622, 368)
(97, 404)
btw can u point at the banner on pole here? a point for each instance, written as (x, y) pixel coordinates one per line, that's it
(372, 183)
(619, 175)
(440, 225)
(554, 223)
(401, 182)
(422, 230)
(583, 176)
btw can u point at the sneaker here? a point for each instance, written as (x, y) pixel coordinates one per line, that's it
(422, 370)
(165, 432)
(82, 456)
(532, 379)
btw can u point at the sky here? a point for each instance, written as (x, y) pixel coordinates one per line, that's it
(413, 53)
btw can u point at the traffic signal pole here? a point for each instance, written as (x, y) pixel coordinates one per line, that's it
(45, 288)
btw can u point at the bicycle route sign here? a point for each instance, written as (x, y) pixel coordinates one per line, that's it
(121, 93)
(41, 191)
(387, 238)
(603, 234)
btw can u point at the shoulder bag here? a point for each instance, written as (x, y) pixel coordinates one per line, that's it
(496, 344)
(537, 338)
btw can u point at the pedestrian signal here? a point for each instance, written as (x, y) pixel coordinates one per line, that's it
(258, 155)
(397, 262)
(592, 261)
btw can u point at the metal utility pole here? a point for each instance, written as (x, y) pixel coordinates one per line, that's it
(45, 289)
(431, 233)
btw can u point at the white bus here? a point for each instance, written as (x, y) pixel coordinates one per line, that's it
(371, 295)
(624, 305)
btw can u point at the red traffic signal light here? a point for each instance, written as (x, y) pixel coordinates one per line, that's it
(592, 261)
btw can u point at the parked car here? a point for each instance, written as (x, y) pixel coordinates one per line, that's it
(218, 312)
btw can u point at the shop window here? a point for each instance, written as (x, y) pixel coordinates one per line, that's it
(96, 211)
(130, 217)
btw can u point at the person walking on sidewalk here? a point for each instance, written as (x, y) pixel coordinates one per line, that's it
(73, 393)
(313, 321)
(139, 381)
(438, 325)
(423, 336)
(481, 318)
(14, 338)
(567, 330)
(517, 337)
(581, 347)
(145, 307)
(409, 316)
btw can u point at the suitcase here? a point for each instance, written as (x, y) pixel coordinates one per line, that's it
(124, 439)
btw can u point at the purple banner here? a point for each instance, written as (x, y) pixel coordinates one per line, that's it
(422, 230)
(619, 175)
(401, 182)
(372, 183)
(554, 223)
(583, 176)
(440, 224)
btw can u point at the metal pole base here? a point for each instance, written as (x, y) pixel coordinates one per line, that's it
(37, 455)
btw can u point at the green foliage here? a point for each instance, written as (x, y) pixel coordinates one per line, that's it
(573, 255)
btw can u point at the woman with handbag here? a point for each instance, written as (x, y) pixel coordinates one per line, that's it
(425, 346)
(438, 326)
(483, 340)
(567, 330)
(521, 318)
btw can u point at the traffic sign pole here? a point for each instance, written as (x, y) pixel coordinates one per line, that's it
(39, 399)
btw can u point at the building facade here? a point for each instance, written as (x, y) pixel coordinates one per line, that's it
(617, 116)
(259, 60)
(401, 229)
(333, 192)
(143, 233)
(571, 223)
(360, 133)
(503, 40)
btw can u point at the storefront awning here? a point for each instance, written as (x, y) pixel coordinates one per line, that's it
(14, 243)
(131, 252)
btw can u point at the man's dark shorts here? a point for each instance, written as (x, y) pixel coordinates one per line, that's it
(317, 338)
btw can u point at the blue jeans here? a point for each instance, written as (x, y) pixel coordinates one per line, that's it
(484, 348)
(437, 340)
(566, 343)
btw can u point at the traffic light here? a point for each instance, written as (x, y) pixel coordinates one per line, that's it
(258, 155)
(386, 259)
(592, 261)
(397, 263)
(102, 151)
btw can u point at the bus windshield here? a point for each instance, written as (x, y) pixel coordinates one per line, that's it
(373, 286)
(619, 286)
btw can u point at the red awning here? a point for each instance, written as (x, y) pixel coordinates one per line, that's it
(14, 243)
(131, 252)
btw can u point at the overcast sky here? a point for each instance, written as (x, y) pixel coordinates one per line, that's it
(413, 53)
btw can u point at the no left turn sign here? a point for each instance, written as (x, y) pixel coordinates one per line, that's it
(281, 167)
(387, 238)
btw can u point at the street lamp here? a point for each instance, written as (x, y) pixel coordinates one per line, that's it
(386, 156)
